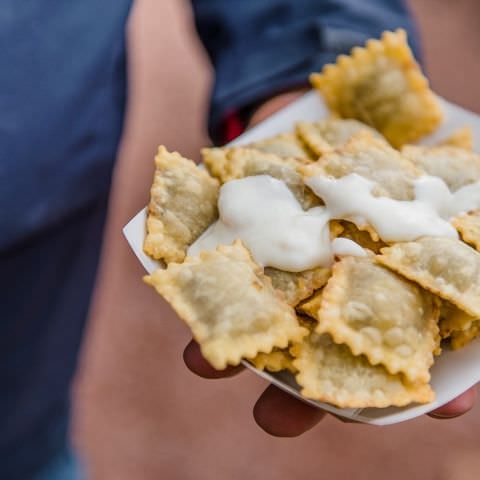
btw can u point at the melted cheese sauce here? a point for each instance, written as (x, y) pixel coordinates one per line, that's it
(343, 247)
(350, 198)
(266, 216)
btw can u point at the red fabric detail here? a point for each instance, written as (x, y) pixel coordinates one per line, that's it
(232, 126)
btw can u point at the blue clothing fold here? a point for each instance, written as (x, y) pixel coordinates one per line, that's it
(260, 48)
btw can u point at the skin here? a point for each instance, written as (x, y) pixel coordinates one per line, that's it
(277, 412)
(282, 415)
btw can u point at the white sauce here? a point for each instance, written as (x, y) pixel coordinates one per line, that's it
(434, 191)
(266, 216)
(263, 213)
(350, 198)
(342, 247)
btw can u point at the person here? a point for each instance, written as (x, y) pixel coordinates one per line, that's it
(63, 94)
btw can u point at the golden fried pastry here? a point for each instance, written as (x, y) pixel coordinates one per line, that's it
(286, 145)
(234, 163)
(468, 225)
(382, 85)
(330, 373)
(460, 138)
(455, 166)
(445, 266)
(381, 315)
(324, 136)
(298, 286)
(229, 304)
(183, 204)
(371, 158)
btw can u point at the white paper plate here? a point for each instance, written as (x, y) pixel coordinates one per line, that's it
(453, 372)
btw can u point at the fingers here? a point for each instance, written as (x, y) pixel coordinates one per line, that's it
(277, 412)
(195, 362)
(456, 407)
(281, 415)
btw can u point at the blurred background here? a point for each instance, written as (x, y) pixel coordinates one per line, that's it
(140, 414)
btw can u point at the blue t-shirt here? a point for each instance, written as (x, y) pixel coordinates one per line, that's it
(62, 99)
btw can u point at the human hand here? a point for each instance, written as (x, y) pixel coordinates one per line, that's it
(277, 412)
(282, 415)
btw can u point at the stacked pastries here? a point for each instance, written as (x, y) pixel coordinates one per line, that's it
(363, 332)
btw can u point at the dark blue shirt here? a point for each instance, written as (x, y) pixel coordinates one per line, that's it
(62, 98)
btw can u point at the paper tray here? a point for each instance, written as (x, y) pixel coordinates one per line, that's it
(453, 372)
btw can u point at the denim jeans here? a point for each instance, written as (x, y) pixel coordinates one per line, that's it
(64, 466)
